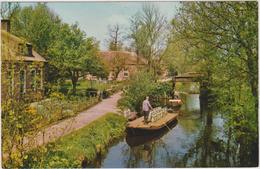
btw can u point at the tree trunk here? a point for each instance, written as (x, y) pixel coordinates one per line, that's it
(253, 77)
(74, 80)
(209, 117)
(74, 85)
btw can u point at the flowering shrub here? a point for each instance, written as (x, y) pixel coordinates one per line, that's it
(18, 121)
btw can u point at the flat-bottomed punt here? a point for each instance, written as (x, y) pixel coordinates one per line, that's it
(139, 123)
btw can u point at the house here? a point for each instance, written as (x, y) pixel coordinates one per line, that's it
(122, 64)
(22, 67)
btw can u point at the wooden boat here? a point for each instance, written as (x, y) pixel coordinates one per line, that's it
(138, 126)
(133, 139)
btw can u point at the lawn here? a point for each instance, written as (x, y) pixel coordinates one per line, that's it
(84, 84)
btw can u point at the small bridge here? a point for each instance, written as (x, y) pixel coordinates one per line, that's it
(189, 77)
(186, 77)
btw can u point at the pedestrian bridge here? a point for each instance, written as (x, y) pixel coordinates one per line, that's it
(189, 77)
(185, 77)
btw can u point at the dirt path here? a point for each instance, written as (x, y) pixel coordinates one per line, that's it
(82, 119)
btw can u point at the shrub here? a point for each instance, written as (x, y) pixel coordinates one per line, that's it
(91, 92)
(64, 89)
(59, 107)
(105, 94)
(140, 86)
(161, 92)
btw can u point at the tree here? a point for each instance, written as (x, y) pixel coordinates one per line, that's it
(115, 38)
(148, 33)
(118, 63)
(39, 26)
(74, 54)
(221, 38)
(229, 37)
(8, 9)
(40, 32)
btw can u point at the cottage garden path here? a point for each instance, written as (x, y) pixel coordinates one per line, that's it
(69, 125)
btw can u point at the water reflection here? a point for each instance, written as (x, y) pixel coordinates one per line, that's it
(195, 141)
(192, 103)
(135, 140)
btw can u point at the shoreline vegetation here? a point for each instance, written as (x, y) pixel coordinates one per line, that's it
(80, 147)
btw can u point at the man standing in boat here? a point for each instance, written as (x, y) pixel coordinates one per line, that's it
(146, 109)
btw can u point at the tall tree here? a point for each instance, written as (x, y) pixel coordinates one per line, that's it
(115, 40)
(8, 9)
(118, 63)
(38, 25)
(222, 38)
(148, 33)
(74, 54)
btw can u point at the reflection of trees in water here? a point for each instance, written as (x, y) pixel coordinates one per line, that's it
(211, 152)
(145, 155)
(141, 155)
(207, 151)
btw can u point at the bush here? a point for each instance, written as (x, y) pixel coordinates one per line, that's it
(91, 92)
(140, 86)
(64, 90)
(59, 107)
(105, 94)
(161, 92)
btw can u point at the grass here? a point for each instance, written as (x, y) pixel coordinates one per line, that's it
(83, 144)
(84, 84)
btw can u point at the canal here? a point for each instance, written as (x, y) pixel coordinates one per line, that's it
(189, 142)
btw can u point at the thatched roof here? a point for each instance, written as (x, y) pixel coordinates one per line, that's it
(130, 57)
(10, 51)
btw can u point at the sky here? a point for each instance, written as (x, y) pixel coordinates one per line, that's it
(94, 17)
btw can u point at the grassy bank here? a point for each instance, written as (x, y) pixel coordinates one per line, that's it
(84, 144)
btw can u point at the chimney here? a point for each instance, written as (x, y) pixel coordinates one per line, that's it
(29, 47)
(5, 25)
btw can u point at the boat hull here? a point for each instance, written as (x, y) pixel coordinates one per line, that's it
(138, 127)
(152, 132)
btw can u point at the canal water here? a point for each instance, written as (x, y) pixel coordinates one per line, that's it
(189, 142)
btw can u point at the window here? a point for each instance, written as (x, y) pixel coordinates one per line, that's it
(39, 79)
(22, 82)
(33, 80)
(126, 74)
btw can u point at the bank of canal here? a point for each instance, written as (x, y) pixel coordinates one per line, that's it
(190, 143)
(80, 147)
